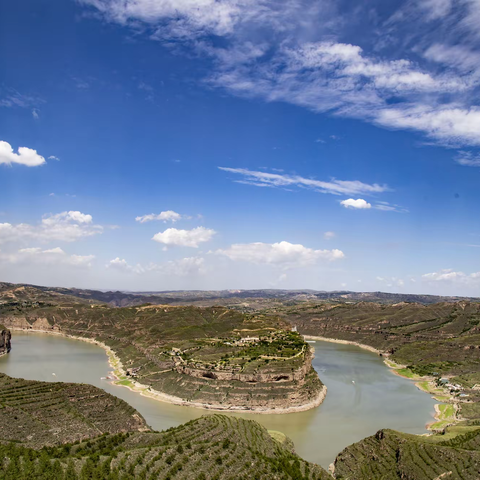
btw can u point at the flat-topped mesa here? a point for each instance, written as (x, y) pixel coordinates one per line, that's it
(211, 357)
(5, 340)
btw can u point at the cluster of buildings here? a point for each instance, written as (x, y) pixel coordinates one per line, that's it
(453, 387)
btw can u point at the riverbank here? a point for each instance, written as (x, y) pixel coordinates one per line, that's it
(344, 342)
(123, 380)
(349, 413)
(445, 412)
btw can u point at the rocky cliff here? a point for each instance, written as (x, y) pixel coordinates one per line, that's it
(211, 357)
(5, 340)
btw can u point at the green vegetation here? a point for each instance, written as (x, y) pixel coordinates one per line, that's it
(223, 357)
(391, 455)
(41, 413)
(212, 356)
(406, 372)
(211, 447)
(436, 341)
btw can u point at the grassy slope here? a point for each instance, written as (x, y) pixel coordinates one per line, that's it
(391, 455)
(212, 447)
(441, 338)
(49, 416)
(436, 340)
(44, 413)
(165, 341)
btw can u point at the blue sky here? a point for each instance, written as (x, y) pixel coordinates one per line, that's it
(153, 145)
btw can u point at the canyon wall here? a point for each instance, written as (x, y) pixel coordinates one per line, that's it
(5, 340)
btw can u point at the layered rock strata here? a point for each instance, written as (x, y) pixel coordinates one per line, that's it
(205, 357)
(5, 340)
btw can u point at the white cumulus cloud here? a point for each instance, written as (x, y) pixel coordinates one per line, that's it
(66, 227)
(122, 265)
(360, 203)
(167, 216)
(25, 156)
(449, 275)
(329, 235)
(281, 253)
(184, 238)
(183, 267)
(391, 281)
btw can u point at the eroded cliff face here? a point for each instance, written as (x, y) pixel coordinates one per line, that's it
(28, 323)
(5, 340)
(225, 368)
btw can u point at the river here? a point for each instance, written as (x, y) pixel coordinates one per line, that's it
(363, 395)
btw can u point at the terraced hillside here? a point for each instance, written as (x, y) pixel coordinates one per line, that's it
(42, 413)
(213, 447)
(214, 356)
(439, 340)
(66, 432)
(391, 455)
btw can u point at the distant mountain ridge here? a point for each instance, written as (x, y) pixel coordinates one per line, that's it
(223, 297)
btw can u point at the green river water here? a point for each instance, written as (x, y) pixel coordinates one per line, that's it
(363, 395)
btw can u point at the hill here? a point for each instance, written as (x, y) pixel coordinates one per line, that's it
(211, 357)
(28, 294)
(70, 431)
(438, 341)
(391, 455)
(246, 299)
(37, 414)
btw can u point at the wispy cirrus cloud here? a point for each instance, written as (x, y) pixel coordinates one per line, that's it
(339, 79)
(390, 207)
(277, 180)
(361, 204)
(465, 12)
(289, 51)
(11, 98)
(468, 159)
